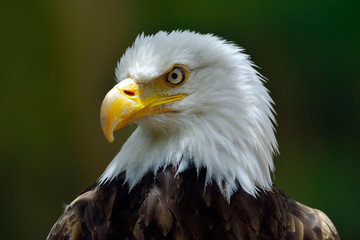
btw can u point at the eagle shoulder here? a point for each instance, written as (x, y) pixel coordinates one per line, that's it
(316, 224)
(87, 217)
(303, 222)
(167, 205)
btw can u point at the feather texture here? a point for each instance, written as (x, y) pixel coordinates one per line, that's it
(158, 209)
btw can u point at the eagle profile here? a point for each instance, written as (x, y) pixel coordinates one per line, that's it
(199, 164)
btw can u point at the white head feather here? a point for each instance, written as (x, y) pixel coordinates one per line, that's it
(225, 122)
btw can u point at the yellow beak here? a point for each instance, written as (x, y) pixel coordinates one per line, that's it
(126, 102)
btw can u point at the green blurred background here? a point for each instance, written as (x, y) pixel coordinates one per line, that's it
(57, 64)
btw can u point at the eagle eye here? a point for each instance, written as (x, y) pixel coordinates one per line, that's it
(176, 76)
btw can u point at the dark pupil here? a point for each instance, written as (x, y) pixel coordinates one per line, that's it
(174, 75)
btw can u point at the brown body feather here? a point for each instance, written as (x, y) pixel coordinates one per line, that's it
(166, 206)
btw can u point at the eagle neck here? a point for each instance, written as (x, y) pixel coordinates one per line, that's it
(230, 161)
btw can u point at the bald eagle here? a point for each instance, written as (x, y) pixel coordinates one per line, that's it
(199, 164)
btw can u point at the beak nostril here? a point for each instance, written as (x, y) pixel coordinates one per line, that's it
(130, 93)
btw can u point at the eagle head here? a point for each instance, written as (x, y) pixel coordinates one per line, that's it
(197, 101)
